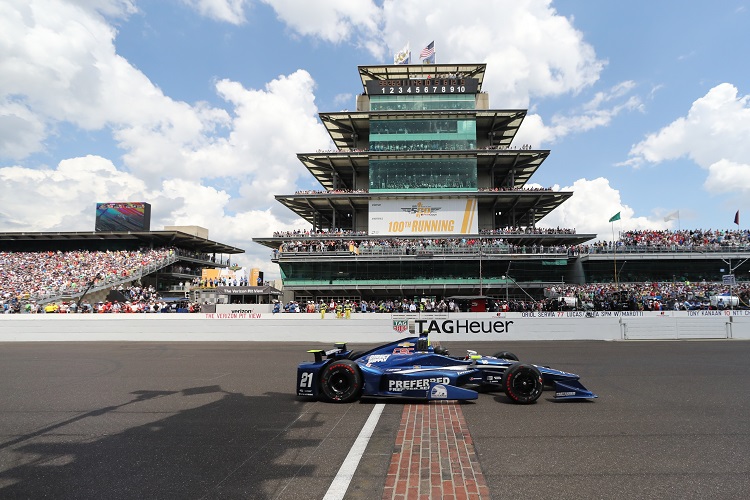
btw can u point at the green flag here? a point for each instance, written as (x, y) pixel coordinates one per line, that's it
(615, 217)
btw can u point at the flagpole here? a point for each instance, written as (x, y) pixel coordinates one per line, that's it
(614, 244)
(614, 260)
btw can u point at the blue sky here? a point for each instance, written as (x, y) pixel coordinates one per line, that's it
(200, 106)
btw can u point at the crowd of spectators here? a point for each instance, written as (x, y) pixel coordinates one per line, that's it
(308, 233)
(680, 240)
(501, 189)
(338, 307)
(447, 145)
(684, 238)
(26, 277)
(38, 275)
(332, 191)
(645, 296)
(337, 232)
(416, 246)
(629, 241)
(201, 282)
(598, 297)
(132, 299)
(362, 191)
(528, 230)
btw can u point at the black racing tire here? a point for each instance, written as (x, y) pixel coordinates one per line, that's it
(341, 381)
(506, 355)
(523, 383)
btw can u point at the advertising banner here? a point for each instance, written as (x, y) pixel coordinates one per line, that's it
(416, 216)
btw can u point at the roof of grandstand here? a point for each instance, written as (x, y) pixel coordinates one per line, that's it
(398, 71)
(501, 163)
(348, 128)
(528, 206)
(23, 241)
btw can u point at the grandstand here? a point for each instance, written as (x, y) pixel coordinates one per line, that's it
(50, 267)
(426, 196)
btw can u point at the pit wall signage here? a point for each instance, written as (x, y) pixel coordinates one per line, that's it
(462, 326)
(417, 216)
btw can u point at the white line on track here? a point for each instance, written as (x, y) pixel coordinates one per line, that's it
(340, 483)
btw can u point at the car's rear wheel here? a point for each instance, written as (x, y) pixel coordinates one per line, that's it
(341, 382)
(523, 383)
(506, 355)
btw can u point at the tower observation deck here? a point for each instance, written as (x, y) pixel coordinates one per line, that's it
(425, 195)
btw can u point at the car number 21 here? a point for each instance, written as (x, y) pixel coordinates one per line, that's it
(306, 379)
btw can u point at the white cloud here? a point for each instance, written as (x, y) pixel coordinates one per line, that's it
(726, 176)
(21, 131)
(64, 198)
(62, 67)
(597, 112)
(220, 166)
(230, 11)
(715, 134)
(112, 8)
(590, 208)
(331, 20)
(530, 49)
(346, 99)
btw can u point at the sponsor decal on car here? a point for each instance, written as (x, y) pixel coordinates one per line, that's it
(377, 358)
(563, 394)
(404, 348)
(415, 384)
(439, 392)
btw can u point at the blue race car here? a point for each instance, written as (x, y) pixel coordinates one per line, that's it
(413, 368)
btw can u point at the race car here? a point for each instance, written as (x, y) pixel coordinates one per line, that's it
(413, 368)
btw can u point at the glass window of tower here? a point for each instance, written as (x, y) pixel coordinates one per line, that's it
(439, 174)
(423, 135)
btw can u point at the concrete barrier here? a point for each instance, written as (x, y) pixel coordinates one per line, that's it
(372, 328)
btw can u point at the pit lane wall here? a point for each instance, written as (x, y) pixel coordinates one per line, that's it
(232, 324)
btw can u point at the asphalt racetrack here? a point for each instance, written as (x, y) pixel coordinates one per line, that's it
(220, 420)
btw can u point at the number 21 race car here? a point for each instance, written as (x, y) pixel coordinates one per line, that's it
(412, 368)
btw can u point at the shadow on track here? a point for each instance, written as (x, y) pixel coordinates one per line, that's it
(226, 448)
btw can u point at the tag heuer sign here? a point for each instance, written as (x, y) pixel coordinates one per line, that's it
(401, 325)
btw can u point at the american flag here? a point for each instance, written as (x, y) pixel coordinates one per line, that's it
(427, 51)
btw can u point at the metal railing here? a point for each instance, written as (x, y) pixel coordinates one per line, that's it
(552, 250)
(431, 250)
(659, 249)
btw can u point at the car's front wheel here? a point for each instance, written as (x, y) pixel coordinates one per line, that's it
(523, 383)
(341, 382)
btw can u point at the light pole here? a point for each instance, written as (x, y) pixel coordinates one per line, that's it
(480, 268)
(730, 278)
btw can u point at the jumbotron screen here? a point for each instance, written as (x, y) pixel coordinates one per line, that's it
(123, 216)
